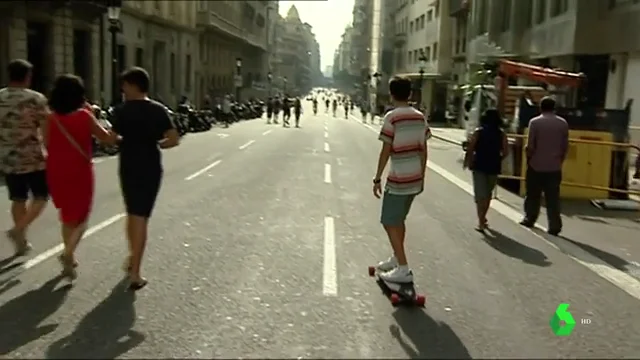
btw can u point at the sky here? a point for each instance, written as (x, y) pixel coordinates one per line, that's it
(328, 18)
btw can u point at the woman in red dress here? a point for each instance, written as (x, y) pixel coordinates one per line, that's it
(68, 137)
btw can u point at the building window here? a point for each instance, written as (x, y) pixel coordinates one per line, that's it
(541, 13)
(429, 15)
(434, 56)
(157, 4)
(409, 58)
(505, 23)
(187, 78)
(559, 7)
(427, 53)
(139, 56)
(410, 27)
(482, 17)
(422, 21)
(527, 10)
(172, 71)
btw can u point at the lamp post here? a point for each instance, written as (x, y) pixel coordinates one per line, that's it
(238, 78)
(284, 90)
(423, 63)
(269, 78)
(377, 77)
(113, 13)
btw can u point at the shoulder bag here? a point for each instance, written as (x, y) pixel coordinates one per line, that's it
(70, 138)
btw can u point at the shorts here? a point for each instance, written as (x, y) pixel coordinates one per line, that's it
(21, 185)
(140, 191)
(395, 208)
(483, 185)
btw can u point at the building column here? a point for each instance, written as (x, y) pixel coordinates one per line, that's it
(62, 29)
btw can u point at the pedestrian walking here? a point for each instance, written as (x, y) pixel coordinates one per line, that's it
(68, 138)
(23, 113)
(547, 147)
(145, 128)
(487, 147)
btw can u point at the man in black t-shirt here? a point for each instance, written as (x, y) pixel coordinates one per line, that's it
(145, 128)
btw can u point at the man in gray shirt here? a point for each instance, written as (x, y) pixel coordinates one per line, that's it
(547, 148)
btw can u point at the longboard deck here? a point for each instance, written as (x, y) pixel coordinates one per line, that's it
(398, 294)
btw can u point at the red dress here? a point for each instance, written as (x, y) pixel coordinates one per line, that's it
(70, 173)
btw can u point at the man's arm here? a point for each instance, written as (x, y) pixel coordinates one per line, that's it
(531, 141)
(387, 132)
(564, 145)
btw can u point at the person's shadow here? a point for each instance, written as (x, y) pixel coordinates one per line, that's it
(21, 316)
(427, 338)
(105, 332)
(514, 249)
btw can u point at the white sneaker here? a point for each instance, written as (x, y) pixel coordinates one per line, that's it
(398, 275)
(387, 265)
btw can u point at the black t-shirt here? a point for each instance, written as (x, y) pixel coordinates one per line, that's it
(141, 123)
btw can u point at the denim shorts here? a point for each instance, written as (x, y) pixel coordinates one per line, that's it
(395, 208)
(483, 185)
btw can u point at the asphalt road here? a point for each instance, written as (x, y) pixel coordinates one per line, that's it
(259, 248)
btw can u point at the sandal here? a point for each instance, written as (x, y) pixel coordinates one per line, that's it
(68, 267)
(138, 284)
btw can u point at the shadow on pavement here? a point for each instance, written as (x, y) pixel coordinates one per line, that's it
(514, 249)
(21, 316)
(426, 337)
(105, 332)
(584, 210)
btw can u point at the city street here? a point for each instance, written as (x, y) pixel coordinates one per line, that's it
(259, 248)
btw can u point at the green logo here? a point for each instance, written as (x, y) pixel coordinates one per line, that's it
(562, 322)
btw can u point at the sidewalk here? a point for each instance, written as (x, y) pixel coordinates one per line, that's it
(450, 135)
(457, 136)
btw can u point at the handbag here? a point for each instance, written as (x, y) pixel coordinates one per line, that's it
(70, 138)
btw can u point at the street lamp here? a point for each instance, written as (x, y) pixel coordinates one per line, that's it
(423, 64)
(269, 78)
(238, 78)
(113, 13)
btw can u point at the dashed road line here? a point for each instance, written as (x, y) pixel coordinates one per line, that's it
(326, 147)
(246, 145)
(327, 173)
(329, 269)
(203, 170)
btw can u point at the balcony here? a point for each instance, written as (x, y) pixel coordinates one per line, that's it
(459, 8)
(209, 20)
(399, 39)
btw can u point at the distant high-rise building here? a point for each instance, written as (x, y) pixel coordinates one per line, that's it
(328, 71)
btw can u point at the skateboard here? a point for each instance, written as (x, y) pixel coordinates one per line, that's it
(398, 294)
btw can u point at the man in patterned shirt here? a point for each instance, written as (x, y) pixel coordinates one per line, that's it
(404, 134)
(22, 115)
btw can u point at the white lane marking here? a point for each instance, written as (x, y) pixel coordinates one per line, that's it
(326, 134)
(222, 136)
(326, 147)
(619, 278)
(327, 173)
(102, 159)
(242, 147)
(266, 132)
(329, 270)
(203, 170)
(58, 248)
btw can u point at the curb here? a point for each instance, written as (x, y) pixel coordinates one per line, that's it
(446, 139)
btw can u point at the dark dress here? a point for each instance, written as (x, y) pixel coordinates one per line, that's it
(141, 123)
(487, 161)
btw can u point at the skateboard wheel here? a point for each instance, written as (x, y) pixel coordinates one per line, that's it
(420, 300)
(395, 299)
(372, 270)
